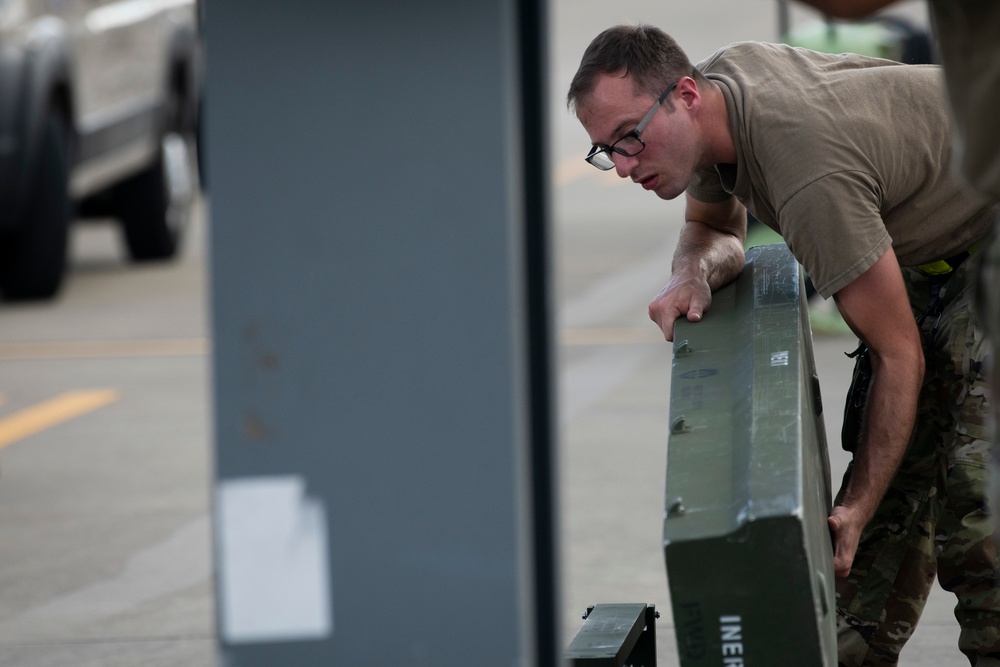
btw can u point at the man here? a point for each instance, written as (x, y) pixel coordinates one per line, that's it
(966, 32)
(847, 157)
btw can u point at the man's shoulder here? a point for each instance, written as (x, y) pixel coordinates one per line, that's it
(750, 57)
(740, 52)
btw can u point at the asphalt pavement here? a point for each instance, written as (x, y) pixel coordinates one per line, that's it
(105, 465)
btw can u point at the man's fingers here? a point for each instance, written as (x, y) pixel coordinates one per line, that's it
(668, 329)
(842, 565)
(664, 318)
(679, 300)
(697, 306)
(666, 324)
(844, 547)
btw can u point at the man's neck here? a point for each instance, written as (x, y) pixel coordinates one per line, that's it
(720, 148)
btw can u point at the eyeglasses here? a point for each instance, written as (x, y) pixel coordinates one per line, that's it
(630, 145)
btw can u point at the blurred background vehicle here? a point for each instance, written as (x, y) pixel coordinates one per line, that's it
(98, 118)
(881, 35)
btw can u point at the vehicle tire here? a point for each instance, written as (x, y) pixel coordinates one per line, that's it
(155, 204)
(33, 259)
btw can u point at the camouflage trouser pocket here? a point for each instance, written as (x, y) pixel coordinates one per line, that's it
(879, 603)
(900, 529)
(988, 288)
(959, 402)
(968, 562)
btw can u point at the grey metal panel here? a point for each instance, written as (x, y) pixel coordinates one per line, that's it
(748, 552)
(369, 318)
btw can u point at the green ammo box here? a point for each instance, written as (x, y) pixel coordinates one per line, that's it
(748, 552)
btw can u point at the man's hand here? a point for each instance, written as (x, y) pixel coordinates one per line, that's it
(709, 254)
(845, 528)
(685, 294)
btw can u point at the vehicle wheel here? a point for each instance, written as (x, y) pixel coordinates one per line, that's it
(154, 205)
(33, 260)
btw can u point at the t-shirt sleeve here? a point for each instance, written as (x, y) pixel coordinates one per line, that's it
(834, 228)
(706, 186)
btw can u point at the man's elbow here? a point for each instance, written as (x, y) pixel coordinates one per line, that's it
(904, 361)
(915, 359)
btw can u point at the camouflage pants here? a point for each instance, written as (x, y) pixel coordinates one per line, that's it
(933, 520)
(989, 318)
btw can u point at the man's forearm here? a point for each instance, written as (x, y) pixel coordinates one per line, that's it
(876, 307)
(891, 412)
(708, 254)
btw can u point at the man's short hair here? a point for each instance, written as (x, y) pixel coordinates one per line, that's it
(650, 56)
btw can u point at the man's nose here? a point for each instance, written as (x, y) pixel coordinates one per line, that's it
(623, 164)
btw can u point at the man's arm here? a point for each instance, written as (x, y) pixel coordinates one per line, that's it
(709, 255)
(876, 307)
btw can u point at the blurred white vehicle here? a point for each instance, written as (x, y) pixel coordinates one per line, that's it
(98, 113)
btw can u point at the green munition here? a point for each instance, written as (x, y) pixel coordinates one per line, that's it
(748, 552)
(615, 635)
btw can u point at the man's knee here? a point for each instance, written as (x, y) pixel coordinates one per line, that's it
(980, 638)
(853, 638)
(863, 643)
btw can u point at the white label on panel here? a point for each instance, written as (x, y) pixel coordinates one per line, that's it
(273, 564)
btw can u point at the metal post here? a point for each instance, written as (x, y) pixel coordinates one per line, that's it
(384, 447)
(784, 24)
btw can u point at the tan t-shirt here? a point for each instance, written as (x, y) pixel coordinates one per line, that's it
(844, 156)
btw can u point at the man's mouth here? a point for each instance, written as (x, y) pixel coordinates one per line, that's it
(649, 182)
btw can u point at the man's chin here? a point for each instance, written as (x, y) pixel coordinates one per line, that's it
(668, 193)
(667, 190)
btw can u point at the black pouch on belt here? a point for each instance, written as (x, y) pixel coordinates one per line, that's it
(857, 397)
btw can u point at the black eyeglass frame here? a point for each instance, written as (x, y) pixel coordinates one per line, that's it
(597, 152)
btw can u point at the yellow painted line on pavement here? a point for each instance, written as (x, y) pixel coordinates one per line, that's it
(54, 411)
(104, 349)
(576, 169)
(572, 170)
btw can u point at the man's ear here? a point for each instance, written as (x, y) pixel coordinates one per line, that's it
(688, 93)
